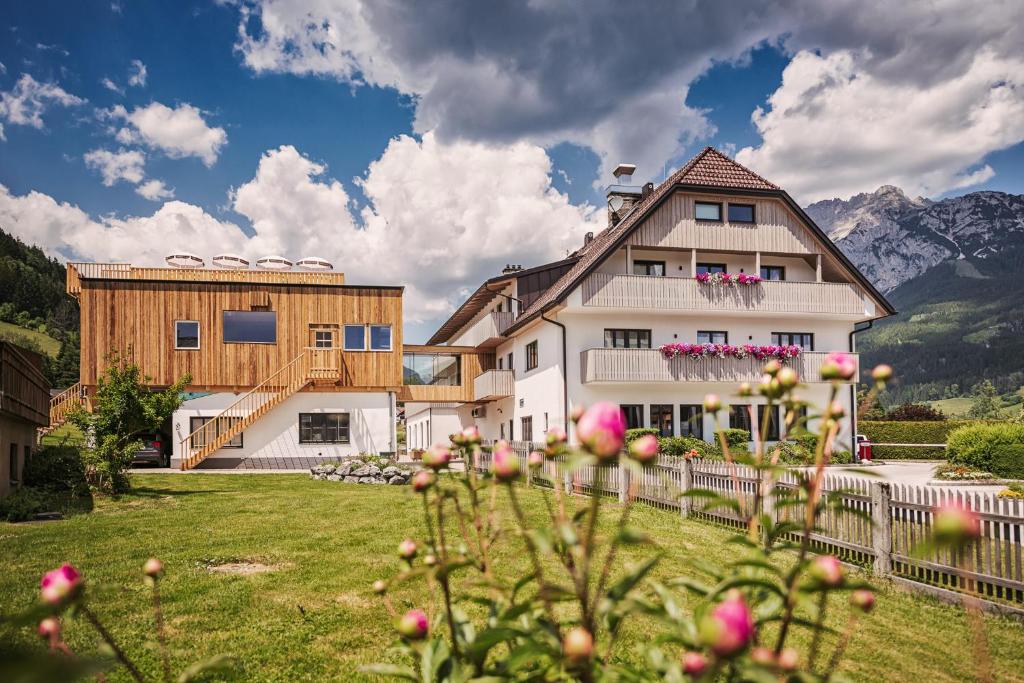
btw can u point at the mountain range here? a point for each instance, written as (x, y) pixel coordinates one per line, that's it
(952, 269)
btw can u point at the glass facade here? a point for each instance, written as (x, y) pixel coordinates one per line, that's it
(436, 369)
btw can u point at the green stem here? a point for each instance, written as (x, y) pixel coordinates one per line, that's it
(109, 640)
(538, 568)
(161, 633)
(588, 550)
(445, 587)
(812, 657)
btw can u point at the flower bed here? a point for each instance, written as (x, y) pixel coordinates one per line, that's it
(728, 279)
(758, 351)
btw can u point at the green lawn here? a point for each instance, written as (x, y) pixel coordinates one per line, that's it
(316, 618)
(959, 407)
(16, 334)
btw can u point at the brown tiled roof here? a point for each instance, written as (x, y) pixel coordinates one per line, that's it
(710, 168)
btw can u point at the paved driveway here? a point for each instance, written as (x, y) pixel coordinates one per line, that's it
(916, 473)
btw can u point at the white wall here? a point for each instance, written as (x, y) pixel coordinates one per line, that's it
(677, 262)
(276, 434)
(426, 425)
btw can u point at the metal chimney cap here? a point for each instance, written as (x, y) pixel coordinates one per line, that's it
(624, 170)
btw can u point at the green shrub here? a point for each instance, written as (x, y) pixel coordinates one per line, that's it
(791, 453)
(679, 446)
(910, 432)
(738, 438)
(996, 448)
(841, 457)
(634, 434)
(24, 503)
(1008, 460)
(57, 468)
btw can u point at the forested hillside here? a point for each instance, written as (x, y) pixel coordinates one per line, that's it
(35, 311)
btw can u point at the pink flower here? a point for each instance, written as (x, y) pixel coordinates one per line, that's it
(694, 663)
(827, 570)
(471, 435)
(955, 524)
(838, 366)
(536, 460)
(422, 480)
(602, 429)
(644, 449)
(556, 436)
(413, 624)
(153, 568)
(437, 457)
(578, 644)
(61, 586)
(407, 549)
(380, 587)
(763, 656)
(788, 659)
(863, 599)
(49, 628)
(505, 462)
(882, 373)
(712, 404)
(729, 626)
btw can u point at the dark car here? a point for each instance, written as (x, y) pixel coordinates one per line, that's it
(153, 451)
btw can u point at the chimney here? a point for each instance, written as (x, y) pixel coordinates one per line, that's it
(510, 269)
(622, 194)
(588, 238)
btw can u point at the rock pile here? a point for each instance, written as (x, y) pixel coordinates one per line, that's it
(360, 472)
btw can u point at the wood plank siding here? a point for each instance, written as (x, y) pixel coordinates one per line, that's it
(24, 391)
(679, 293)
(136, 318)
(776, 230)
(649, 365)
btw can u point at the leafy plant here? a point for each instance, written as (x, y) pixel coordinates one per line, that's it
(122, 408)
(917, 412)
(949, 471)
(996, 448)
(561, 620)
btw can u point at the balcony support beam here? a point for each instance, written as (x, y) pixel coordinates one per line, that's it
(693, 263)
(757, 263)
(817, 268)
(629, 259)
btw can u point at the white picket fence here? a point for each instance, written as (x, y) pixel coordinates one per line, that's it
(886, 535)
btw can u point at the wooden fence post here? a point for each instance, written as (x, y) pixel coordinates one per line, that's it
(768, 493)
(623, 483)
(566, 477)
(685, 502)
(881, 531)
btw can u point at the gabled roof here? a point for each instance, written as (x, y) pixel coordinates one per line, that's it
(710, 169)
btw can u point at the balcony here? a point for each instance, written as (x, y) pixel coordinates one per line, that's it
(770, 296)
(492, 385)
(649, 365)
(487, 332)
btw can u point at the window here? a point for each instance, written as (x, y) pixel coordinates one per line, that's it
(323, 428)
(527, 428)
(355, 337)
(186, 334)
(501, 431)
(627, 339)
(805, 340)
(531, 359)
(772, 431)
(323, 339)
(712, 337)
(710, 268)
(799, 417)
(739, 416)
(511, 433)
(661, 419)
(511, 363)
(14, 465)
(654, 268)
(250, 327)
(708, 211)
(773, 272)
(634, 416)
(501, 363)
(380, 337)
(741, 213)
(436, 369)
(199, 440)
(691, 421)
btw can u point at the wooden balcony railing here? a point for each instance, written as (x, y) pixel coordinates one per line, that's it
(324, 364)
(486, 332)
(684, 293)
(493, 385)
(649, 365)
(76, 272)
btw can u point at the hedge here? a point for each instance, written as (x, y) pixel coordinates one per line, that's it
(995, 448)
(902, 431)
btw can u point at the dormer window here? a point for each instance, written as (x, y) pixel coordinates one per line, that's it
(708, 211)
(741, 213)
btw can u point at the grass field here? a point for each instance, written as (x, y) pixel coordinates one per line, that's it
(315, 618)
(958, 407)
(14, 333)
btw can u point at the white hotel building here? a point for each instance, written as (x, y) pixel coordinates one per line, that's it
(590, 328)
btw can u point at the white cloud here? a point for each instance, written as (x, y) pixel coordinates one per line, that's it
(27, 101)
(110, 85)
(440, 216)
(114, 166)
(833, 129)
(180, 132)
(137, 74)
(154, 190)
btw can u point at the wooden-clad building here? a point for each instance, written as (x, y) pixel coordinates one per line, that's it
(24, 408)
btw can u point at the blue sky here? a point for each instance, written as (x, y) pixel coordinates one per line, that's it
(429, 148)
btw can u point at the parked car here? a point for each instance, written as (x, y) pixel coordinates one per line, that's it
(153, 450)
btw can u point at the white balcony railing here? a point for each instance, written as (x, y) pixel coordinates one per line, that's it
(684, 293)
(492, 385)
(486, 332)
(649, 365)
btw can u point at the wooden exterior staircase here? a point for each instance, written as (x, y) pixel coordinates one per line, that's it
(63, 404)
(312, 366)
